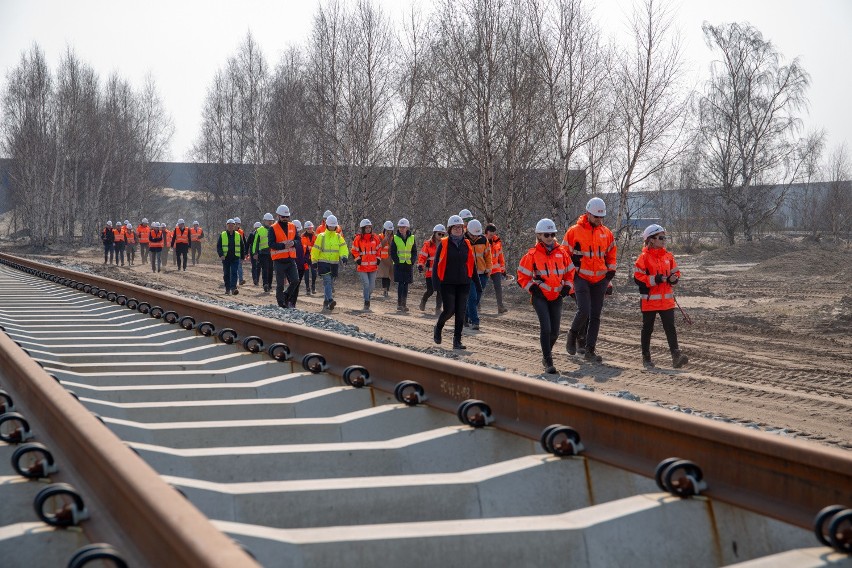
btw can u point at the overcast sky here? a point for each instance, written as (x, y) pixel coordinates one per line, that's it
(183, 42)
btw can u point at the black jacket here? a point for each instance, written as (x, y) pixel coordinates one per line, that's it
(456, 270)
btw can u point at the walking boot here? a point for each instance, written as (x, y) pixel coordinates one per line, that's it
(331, 304)
(571, 345)
(423, 305)
(367, 306)
(591, 357)
(678, 359)
(502, 309)
(457, 344)
(405, 306)
(646, 361)
(436, 334)
(399, 306)
(549, 369)
(385, 293)
(581, 344)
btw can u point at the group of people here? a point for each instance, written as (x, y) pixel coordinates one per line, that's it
(457, 261)
(120, 240)
(583, 267)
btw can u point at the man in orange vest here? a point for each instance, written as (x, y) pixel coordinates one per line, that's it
(142, 238)
(118, 231)
(167, 242)
(180, 242)
(195, 236)
(131, 243)
(156, 240)
(283, 241)
(593, 253)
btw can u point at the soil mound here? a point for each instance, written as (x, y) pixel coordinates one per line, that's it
(749, 251)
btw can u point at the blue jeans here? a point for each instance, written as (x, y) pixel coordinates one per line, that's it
(229, 270)
(327, 281)
(473, 300)
(368, 280)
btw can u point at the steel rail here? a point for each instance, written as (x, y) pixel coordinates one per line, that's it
(789, 480)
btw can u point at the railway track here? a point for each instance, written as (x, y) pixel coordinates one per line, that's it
(296, 447)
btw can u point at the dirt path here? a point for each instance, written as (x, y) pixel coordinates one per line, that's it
(765, 349)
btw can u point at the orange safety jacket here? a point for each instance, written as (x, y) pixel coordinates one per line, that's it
(181, 237)
(551, 270)
(498, 261)
(321, 229)
(131, 237)
(119, 234)
(168, 237)
(441, 267)
(155, 239)
(482, 252)
(595, 245)
(366, 248)
(655, 297)
(384, 251)
(195, 235)
(308, 240)
(280, 237)
(142, 234)
(426, 257)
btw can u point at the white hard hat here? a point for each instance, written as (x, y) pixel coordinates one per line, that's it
(474, 227)
(403, 223)
(543, 226)
(144, 219)
(298, 224)
(596, 207)
(230, 222)
(652, 230)
(181, 222)
(237, 220)
(454, 220)
(128, 225)
(388, 226)
(126, 221)
(439, 228)
(326, 214)
(155, 225)
(256, 225)
(109, 223)
(283, 210)
(268, 217)
(195, 222)
(309, 225)
(365, 223)
(331, 221)
(465, 214)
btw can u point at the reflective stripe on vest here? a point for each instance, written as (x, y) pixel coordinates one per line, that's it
(195, 234)
(404, 248)
(142, 234)
(238, 244)
(155, 234)
(261, 240)
(280, 237)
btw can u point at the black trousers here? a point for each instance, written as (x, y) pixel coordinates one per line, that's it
(668, 319)
(285, 270)
(311, 279)
(454, 297)
(429, 291)
(549, 314)
(119, 253)
(590, 298)
(181, 252)
(255, 269)
(108, 252)
(265, 262)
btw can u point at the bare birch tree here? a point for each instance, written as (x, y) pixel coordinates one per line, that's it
(836, 210)
(650, 105)
(748, 115)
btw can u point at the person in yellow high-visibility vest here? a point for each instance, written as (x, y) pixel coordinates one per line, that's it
(329, 249)
(402, 254)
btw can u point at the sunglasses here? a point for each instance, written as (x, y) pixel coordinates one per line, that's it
(548, 235)
(442, 234)
(659, 237)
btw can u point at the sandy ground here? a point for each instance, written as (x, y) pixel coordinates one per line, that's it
(770, 345)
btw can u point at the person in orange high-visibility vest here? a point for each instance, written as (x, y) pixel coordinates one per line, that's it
(455, 271)
(282, 244)
(180, 242)
(309, 237)
(426, 265)
(498, 265)
(130, 237)
(196, 234)
(167, 243)
(365, 251)
(593, 252)
(656, 274)
(547, 274)
(118, 231)
(156, 241)
(142, 238)
(385, 271)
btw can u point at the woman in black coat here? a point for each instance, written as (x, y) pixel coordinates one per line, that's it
(453, 274)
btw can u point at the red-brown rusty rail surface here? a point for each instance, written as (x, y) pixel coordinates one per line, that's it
(789, 480)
